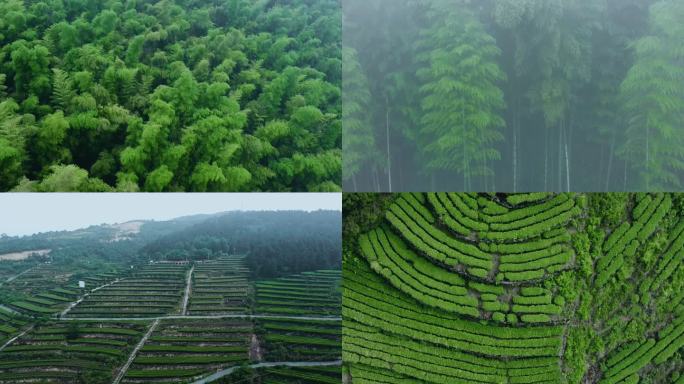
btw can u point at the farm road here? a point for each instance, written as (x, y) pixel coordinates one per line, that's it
(230, 370)
(15, 276)
(124, 369)
(10, 341)
(188, 288)
(171, 317)
(77, 302)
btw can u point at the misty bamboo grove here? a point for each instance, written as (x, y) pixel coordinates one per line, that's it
(513, 95)
(170, 95)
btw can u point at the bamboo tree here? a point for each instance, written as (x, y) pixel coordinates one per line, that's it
(172, 96)
(460, 97)
(653, 94)
(358, 141)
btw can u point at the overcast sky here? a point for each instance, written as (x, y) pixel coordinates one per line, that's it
(29, 213)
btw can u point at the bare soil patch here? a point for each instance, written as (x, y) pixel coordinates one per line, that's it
(14, 256)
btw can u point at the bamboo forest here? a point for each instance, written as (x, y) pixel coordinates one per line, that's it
(513, 95)
(170, 95)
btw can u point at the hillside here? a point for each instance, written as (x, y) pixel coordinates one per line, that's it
(176, 301)
(275, 242)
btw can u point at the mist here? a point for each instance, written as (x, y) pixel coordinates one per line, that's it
(34, 213)
(509, 95)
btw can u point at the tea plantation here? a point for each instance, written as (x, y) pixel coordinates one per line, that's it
(524, 288)
(171, 322)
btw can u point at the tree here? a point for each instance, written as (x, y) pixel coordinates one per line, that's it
(30, 65)
(358, 141)
(64, 178)
(62, 92)
(460, 96)
(12, 144)
(3, 87)
(12, 19)
(10, 163)
(73, 331)
(168, 96)
(49, 140)
(158, 179)
(653, 94)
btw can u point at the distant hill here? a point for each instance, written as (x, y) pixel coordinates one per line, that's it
(276, 242)
(134, 230)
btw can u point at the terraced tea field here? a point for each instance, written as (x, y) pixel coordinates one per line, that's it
(42, 290)
(38, 276)
(153, 291)
(527, 288)
(183, 350)
(296, 375)
(69, 351)
(219, 286)
(301, 339)
(11, 324)
(308, 293)
(169, 323)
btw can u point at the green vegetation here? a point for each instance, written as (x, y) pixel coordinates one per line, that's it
(508, 288)
(186, 317)
(300, 339)
(286, 375)
(11, 324)
(219, 285)
(170, 353)
(513, 95)
(152, 291)
(97, 351)
(173, 95)
(278, 243)
(303, 375)
(308, 293)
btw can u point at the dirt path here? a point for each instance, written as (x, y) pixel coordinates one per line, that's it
(10, 341)
(496, 263)
(230, 370)
(15, 276)
(188, 285)
(255, 349)
(77, 302)
(124, 369)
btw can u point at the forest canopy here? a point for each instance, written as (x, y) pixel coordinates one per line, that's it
(170, 95)
(275, 243)
(513, 95)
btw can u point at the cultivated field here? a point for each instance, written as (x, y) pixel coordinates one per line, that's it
(301, 339)
(297, 375)
(527, 288)
(219, 286)
(182, 350)
(69, 351)
(308, 293)
(152, 291)
(44, 289)
(162, 323)
(11, 324)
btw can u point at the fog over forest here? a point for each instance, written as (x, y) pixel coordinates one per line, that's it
(511, 95)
